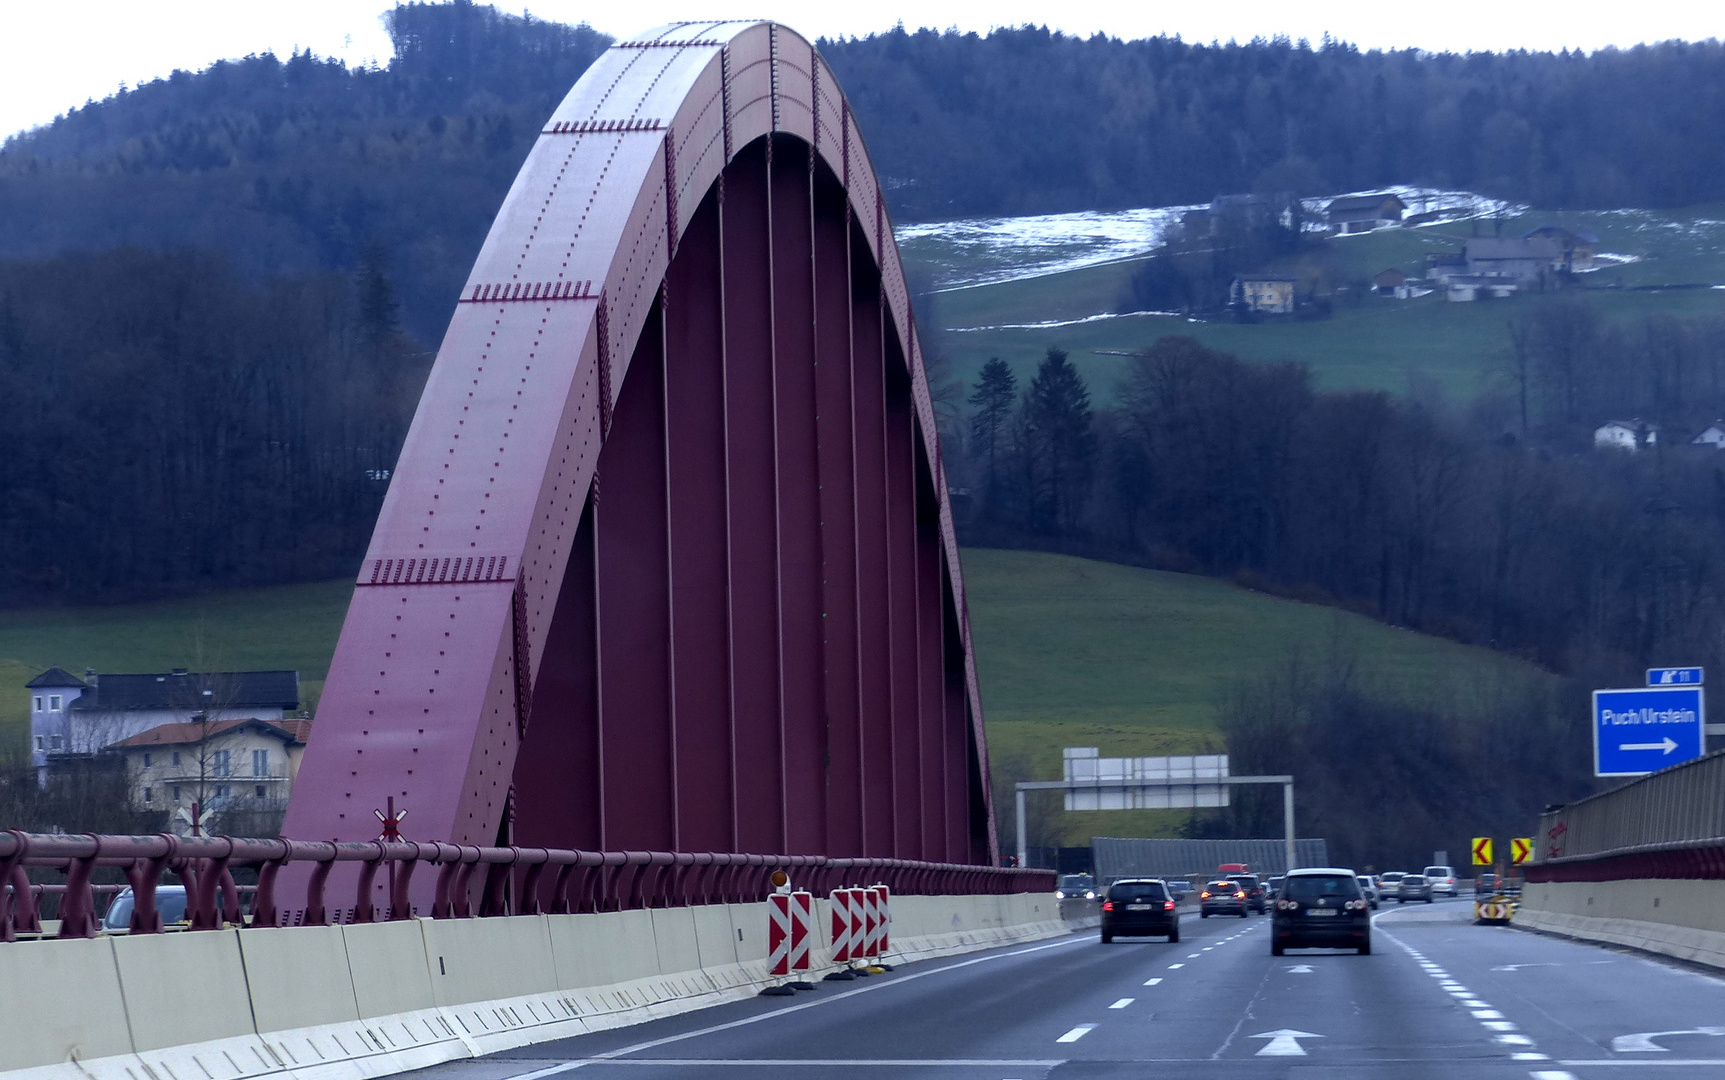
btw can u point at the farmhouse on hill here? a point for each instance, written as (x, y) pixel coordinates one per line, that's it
(1528, 262)
(224, 765)
(1576, 251)
(1363, 213)
(1713, 436)
(1628, 435)
(1263, 294)
(72, 719)
(1388, 281)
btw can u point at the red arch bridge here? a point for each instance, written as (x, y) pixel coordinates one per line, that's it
(667, 564)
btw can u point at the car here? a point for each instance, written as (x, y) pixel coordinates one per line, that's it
(1272, 888)
(170, 904)
(1442, 879)
(1179, 889)
(1076, 887)
(1254, 891)
(1321, 907)
(1223, 897)
(1485, 884)
(1369, 889)
(1387, 882)
(1413, 887)
(1139, 907)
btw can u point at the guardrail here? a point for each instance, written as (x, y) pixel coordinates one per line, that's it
(509, 880)
(1670, 824)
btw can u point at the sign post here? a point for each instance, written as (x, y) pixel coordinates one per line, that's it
(1639, 731)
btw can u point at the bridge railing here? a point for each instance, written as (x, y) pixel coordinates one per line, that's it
(1670, 824)
(471, 881)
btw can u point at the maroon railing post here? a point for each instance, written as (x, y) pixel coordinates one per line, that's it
(17, 908)
(316, 914)
(264, 909)
(364, 908)
(449, 868)
(494, 897)
(78, 905)
(400, 877)
(461, 900)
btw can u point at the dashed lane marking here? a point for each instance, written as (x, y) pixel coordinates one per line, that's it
(1175, 967)
(1076, 1033)
(1122, 1003)
(1152, 982)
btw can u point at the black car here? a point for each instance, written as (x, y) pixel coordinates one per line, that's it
(1255, 898)
(1139, 907)
(1323, 909)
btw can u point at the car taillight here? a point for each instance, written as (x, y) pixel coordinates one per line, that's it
(1203, 896)
(1286, 905)
(1239, 896)
(1107, 905)
(1167, 905)
(1355, 905)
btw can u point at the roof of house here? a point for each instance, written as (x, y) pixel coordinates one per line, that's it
(1510, 247)
(193, 690)
(1355, 204)
(1394, 273)
(186, 734)
(55, 676)
(1549, 230)
(1633, 425)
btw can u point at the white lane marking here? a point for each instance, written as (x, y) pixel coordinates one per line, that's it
(540, 1074)
(1152, 982)
(1471, 1002)
(1551, 1074)
(1487, 1014)
(1122, 1003)
(1284, 1042)
(1529, 1055)
(1498, 1025)
(1175, 967)
(1300, 969)
(1642, 1041)
(1192, 956)
(1513, 1040)
(1077, 1033)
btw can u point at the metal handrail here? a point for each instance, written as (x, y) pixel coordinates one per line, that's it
(507, 880)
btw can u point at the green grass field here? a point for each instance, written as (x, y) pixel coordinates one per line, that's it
(1372, 343)
(1070, 652)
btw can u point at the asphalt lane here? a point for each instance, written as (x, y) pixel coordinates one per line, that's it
(1439, 998)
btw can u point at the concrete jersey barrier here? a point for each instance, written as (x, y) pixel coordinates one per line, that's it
(1683, 918)
(362, 1001)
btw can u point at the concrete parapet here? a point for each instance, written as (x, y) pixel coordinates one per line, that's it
(372, 1000)
(1682, 918)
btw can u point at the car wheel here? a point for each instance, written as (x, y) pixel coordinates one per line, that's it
(1366, 949)
(1428, 899)
(1401, 899)
(1107, 938)
(1244, 914)
(1203, 914)
(1276, 948)
(1174, 936)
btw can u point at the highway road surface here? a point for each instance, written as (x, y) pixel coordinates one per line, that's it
(1439, 997)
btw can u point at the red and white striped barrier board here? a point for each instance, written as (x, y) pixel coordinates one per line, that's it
(883, 936)
(844, 942)
(790, 917)
(871, 923)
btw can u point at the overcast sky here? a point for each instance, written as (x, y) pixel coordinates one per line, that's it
(54, 57)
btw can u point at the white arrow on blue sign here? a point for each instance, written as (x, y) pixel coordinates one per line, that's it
(1674, 676)
(1639, 731)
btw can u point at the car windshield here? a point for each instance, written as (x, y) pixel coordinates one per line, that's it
(1074, 881)
(170, 903)
(1310, 888)
(1222, 886)
(1248, 880)
(1136, 892)
(1413, 879)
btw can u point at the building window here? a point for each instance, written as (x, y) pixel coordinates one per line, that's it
(146, 794)
(53, 702)
(53, 742)
(176, 761)
(260, 762)
(222, 791)
(260, 791)
(38, 703)
(176, 794)
(41, 742)
(146, 761)
(220, 761)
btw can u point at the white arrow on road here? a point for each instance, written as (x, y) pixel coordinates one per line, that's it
(1664, 745)
(1284, 1042)
(1642, 1042)
(1300, 969)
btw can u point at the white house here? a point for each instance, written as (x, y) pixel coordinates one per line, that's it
(1465, 288)
(245, 764)
(1628, 435)
(1714, 436)
(72, 718)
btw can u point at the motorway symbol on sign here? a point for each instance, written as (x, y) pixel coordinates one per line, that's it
(1674, 676)
(1284, 1042)
(1638, 731)
(1482, 851)
(1642, 1042)
(1520, 849)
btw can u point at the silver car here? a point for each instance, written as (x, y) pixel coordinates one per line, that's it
(1369, 889)
(1414, 887)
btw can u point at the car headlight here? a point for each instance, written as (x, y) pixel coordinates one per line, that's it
(1059, 894)
(1091, 895)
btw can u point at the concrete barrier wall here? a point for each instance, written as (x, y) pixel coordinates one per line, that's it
(360, 1002)
(1680, 918)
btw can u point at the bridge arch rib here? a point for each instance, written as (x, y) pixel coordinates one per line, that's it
(668, 559)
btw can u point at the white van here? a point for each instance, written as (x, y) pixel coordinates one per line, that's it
(1442, 879)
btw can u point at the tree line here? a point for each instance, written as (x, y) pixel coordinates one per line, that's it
(1457, 521)
(172, 425)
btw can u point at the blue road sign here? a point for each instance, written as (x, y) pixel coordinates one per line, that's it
(1636, 732)
(1674, 676)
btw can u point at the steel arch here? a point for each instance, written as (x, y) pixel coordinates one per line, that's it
(668, 560)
